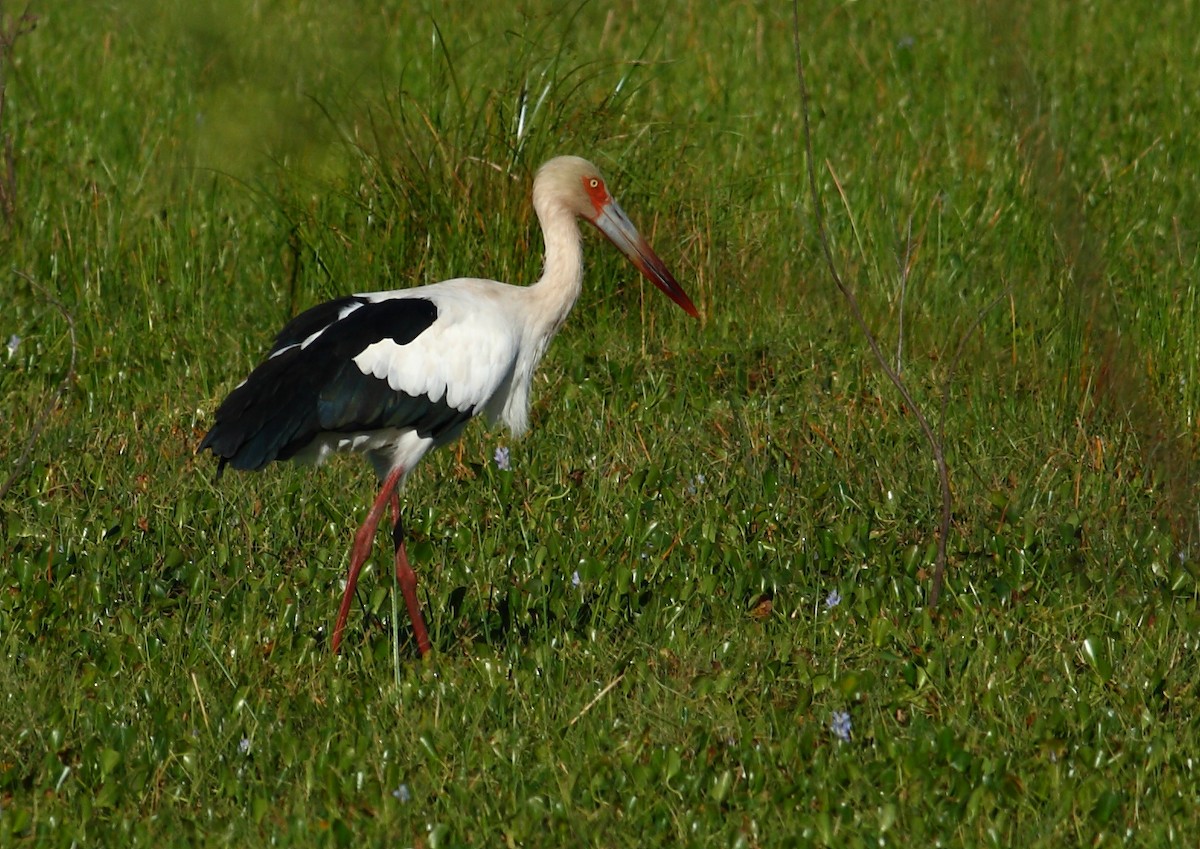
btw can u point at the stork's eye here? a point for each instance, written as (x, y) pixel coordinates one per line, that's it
(594, 183)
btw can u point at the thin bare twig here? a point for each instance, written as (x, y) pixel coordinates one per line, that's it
(935, 443)
(40, 423)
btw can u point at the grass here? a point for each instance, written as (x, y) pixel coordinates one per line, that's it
(635, 637)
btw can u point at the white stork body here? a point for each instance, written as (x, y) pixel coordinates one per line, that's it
(395, 374)
(473, 359)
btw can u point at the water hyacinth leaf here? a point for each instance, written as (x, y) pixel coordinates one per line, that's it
(853, 684)
(1181, 580)
(770, 483)
(674, 762)
(803, 699)
(106, 797)
(1098, 657)
(887, 816)
(881, 631)
(440, 836)
(721, 785)
(1107, 806)
(342, 833)
(174, 559)
(109, 759)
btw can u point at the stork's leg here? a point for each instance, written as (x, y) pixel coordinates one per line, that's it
(407, 579)
(363, 539)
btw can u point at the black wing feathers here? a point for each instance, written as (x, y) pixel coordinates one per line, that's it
(313, 320)
(300, 392)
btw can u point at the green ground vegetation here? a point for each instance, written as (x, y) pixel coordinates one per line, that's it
(694, 610)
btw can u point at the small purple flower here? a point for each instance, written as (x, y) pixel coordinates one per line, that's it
(696, 484)
(14, 342)
(244, 746)
(833, 599)
(840, 726)
(402, 793)
(575, 579)
(502, 457)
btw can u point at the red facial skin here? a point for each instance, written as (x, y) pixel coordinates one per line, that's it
(596, 190)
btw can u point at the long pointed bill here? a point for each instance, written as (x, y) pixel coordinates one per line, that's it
(612, 222)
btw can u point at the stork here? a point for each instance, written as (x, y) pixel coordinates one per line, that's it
(395, 374)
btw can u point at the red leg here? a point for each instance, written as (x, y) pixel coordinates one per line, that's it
(407, 579)
(363, 539)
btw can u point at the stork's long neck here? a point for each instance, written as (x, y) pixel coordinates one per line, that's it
(562, 280)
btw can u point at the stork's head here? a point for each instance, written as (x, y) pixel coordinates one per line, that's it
(576, 184)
